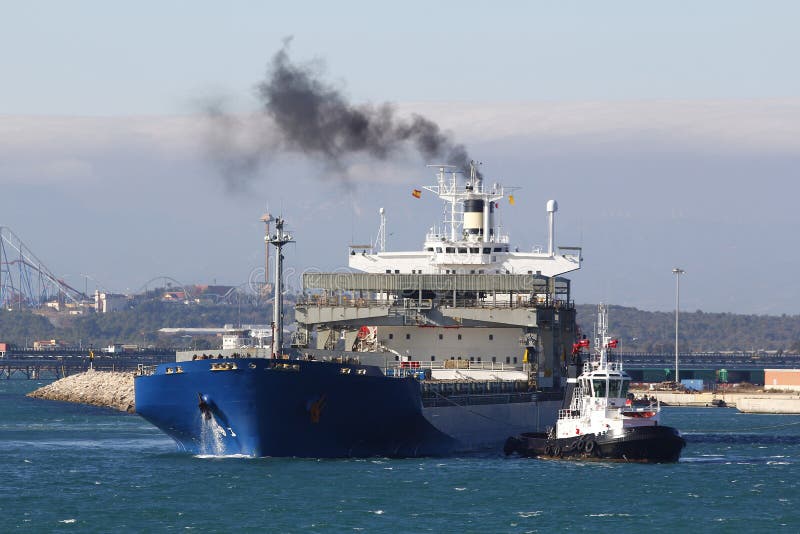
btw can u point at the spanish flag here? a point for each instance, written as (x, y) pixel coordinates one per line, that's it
(416, 193)
(511, 199)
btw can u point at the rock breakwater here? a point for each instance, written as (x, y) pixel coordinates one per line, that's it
(99, 388)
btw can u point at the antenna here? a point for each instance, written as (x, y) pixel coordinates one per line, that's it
(380, 241)
(266, 219)
(552, 208)
(278, 241)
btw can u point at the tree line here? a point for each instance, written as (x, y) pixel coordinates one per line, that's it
(637, 330)
(698, 331)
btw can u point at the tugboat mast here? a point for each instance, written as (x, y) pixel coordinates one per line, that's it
(278, 240)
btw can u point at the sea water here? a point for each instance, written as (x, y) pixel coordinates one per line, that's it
(74, 468)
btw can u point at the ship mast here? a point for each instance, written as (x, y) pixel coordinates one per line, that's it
(278, 240)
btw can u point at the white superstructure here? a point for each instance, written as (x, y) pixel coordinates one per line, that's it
(469, 241)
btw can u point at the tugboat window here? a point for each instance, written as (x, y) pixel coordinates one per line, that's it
(599, 388)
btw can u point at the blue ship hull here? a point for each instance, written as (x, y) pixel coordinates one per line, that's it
(260, 407)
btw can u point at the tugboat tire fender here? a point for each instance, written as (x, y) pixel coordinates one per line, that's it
(589, 447)
(557, 451)
(548, 450)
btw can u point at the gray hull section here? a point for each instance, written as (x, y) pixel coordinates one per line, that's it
(488, 426)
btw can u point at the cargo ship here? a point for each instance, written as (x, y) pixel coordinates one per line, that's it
(439, 351)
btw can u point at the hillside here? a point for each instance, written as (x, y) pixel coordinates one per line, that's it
(646, 331)
(637, 330)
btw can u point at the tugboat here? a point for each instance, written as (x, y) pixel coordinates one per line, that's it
(597, 420)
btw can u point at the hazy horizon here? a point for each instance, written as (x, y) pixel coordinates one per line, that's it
(668, 136)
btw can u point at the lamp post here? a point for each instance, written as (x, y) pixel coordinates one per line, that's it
(677, 272)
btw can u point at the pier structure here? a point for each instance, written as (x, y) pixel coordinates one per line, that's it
(46, 365)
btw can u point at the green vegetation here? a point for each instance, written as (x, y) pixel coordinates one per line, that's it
(137, 325)
(637, 330)
(646, 331)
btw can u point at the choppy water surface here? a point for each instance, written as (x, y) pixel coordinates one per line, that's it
(76, 468)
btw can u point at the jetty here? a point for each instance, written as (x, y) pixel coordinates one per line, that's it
(771, 403)
(109, 389)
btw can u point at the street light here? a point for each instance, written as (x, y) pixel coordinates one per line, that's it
(677, 272)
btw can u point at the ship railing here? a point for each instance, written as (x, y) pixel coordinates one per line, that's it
(537, 301)
(594, 365)
(569, 413)
(457, 365)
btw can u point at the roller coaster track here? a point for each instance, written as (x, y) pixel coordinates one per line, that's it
(25, 281)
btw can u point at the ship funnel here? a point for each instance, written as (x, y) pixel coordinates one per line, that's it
(552, 208)
(473, 216)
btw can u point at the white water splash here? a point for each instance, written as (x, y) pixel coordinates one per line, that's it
(211, 437)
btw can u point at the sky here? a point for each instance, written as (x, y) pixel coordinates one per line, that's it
(669, 133)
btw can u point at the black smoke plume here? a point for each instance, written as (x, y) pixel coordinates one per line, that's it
(302, 113)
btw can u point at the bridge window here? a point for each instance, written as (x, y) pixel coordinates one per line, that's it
(508, 359)
(459, 336)
(491, 337)
(438, 249)
(498, 249)
(474, 250)
(429, 249)
(433, 358)
(388, 271)
(614, 388)
(487, 250)
(494, 359)
(450, 250)
(408, 336)
(397, 271)
(391, 336)
(515, 359)
(441, 336)
(599, 387)
(462, 250)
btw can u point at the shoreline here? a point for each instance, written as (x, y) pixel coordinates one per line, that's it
(757, 401)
